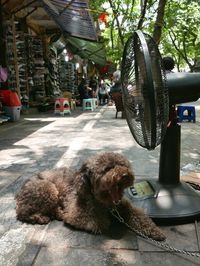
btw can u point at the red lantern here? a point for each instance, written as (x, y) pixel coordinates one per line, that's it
(103, 17)
(104, 69)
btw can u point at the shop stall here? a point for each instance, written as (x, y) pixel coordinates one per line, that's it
(41, 52)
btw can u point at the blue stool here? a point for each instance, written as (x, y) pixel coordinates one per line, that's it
(88, 104)
(186, 113)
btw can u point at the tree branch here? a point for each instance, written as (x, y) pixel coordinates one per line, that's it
(184, 56)
(117, 21)
(143, 13)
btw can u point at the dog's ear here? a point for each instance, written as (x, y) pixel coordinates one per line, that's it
(83, 182)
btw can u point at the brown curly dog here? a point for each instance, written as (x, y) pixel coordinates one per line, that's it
(82, 199)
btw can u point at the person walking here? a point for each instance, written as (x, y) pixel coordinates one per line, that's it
(103, 93)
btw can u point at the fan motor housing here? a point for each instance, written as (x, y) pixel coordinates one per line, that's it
(183, 87)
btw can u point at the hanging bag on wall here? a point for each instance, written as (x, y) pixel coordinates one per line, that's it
(3, 74)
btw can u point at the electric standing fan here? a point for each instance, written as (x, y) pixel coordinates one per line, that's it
(149, 96)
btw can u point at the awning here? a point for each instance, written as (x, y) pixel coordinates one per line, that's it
(93, 51)
(72, 16)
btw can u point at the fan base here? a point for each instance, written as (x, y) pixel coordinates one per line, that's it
(165, 202)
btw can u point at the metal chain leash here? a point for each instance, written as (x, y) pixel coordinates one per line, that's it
(166, 246)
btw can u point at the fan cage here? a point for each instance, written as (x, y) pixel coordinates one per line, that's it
(145, 95)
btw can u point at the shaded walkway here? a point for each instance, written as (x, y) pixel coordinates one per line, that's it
(42, 142)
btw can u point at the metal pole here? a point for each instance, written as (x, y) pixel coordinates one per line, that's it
(169, 167)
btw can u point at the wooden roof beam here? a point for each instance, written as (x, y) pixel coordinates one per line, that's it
(37, 29)
(5, 3)
(22, 7)
(29, 13)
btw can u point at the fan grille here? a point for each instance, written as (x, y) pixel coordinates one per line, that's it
(145, 96)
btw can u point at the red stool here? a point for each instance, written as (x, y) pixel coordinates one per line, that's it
(62, 106)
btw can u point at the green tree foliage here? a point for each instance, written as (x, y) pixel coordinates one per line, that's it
(181, 35)
(122, 18)
(174, 24)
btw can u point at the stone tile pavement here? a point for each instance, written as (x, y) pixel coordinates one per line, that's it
(42, 141)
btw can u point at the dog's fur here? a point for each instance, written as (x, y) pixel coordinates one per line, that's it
(83, 199)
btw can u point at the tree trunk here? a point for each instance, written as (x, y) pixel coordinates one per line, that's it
(143, 13)
(159, 21)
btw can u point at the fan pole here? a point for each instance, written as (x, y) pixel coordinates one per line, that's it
(169, 166)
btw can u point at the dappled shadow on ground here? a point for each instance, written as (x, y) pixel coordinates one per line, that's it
(11, 133)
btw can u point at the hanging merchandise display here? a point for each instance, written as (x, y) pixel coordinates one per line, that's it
(11, 55)
(67, 73)
(52, 77)
(21, 57)
(25, 62)
(36, 68)
(16, 57)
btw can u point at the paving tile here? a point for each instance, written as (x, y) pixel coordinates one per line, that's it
(179, 236)
(86, 257)
(8, 177)
(167, 259)
(197, 226)
(33, 244)
(60, 235)
(14, 242)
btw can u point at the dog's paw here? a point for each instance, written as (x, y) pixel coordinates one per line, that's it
(39, 219)
(59, 214)
(94, 228)
(157, 234)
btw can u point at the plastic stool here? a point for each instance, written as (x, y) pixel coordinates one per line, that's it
(88, 104)
(190, 116)
(72, 104)
(62, 106)
(95, 102)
